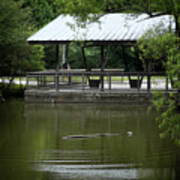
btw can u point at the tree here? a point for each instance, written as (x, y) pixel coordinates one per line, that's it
(154, 47)
(82, 8)
(160, 46)
(168, 106)
(41, 11)
(16, 55)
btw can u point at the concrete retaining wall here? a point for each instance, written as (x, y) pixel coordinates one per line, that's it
(38, 96)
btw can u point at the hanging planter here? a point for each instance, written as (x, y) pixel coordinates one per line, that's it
(94, 83)
(135, 83)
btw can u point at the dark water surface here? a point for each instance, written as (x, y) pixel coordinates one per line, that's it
(83, 142)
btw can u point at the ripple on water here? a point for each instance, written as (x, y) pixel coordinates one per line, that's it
(84, 171)
(99, 171)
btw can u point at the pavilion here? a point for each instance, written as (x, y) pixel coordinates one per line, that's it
(109, 29)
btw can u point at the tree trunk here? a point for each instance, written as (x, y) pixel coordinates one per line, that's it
(178, 34)
(176, 17)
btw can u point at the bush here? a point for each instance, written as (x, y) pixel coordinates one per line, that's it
(13, 90)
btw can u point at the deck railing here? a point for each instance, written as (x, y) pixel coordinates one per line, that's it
(96, 78)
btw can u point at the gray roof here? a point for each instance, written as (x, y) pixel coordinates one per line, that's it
(110, 27)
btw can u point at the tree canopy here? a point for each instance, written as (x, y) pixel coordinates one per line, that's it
(154, 47)
(42, 12)
(154, 8)
(16, 56)
(159, 46)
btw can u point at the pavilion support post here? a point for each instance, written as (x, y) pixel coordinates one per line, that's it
(57, 57)
(102, 68)
(140, 77)
(69, 79)
(38, 81)
(138, 83)
(109, 80)
(57, 67)
(83, 81)
(65, 60)
(56, 81)
(148, 67)
(64, 54)
(125, 62)
(84, 57)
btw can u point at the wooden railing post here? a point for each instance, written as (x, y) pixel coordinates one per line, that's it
(149, 77)
(109, 80)
(102, 68)
(69, 78)
(167, 83)
(27, 81)
(37, 78)
(83, 83)
(56, 81)
(138, 83)
(149, 82)
(43, 80)
(148, 71)
(102, 81)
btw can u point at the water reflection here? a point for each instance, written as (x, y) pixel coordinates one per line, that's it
(114, 142)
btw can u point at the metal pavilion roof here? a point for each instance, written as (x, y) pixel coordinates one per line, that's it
(109, 28)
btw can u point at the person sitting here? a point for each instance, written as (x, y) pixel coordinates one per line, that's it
(66, 66)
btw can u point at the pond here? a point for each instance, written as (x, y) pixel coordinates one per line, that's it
(83, 142)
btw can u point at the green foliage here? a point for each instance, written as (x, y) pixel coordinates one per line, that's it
(75, 56)
(80, 8)
(173, 65)
(168, 105)
(42, 12)
(161, 47)
(155, 47)
(32, 60)
(16, 55)
(76, 60)
(50, 56)
(116, 59)
(11, 91)
(9, 20)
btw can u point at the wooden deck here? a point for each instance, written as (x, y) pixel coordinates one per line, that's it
(99, 79)
(74, 86)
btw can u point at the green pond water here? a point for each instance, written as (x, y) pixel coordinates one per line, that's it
(83, 142)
